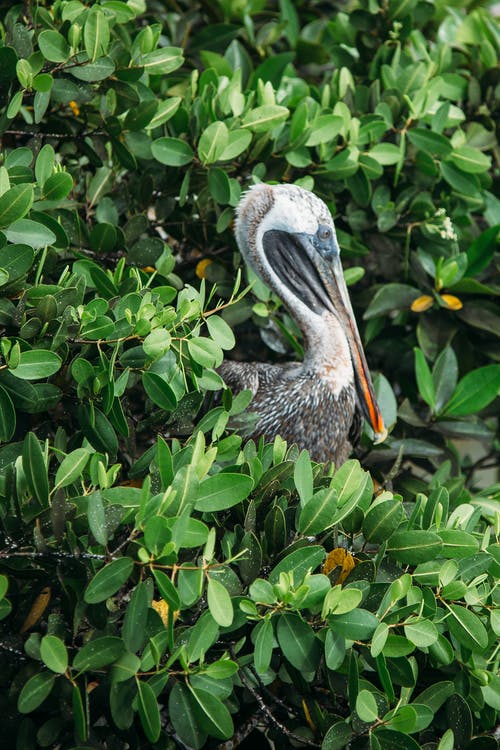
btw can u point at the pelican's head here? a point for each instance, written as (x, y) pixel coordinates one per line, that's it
(287, 235)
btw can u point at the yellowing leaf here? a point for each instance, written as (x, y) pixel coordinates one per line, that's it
(423, 303)
(37, 609)
(201, 267)
(451, 302)
(339, 557)
(161, 606)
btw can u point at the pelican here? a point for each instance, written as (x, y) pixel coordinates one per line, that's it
(287, 236)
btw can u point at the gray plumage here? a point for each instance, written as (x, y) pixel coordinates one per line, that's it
(286, 234)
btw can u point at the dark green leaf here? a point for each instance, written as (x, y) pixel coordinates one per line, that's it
(98, 653)
(298, 642)
(108, 580)
(35, 691)
(149, 712)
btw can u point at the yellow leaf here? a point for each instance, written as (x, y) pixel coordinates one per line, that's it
(148, 269)
(421, 304)
(339, 558)
(161, 607)
(451, 302)
(37, 609)
(201, 267)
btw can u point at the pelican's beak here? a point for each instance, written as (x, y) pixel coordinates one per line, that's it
(314, 276)
(333, 279)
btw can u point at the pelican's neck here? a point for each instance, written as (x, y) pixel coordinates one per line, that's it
(326, 352)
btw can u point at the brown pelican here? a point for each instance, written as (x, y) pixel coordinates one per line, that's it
(286, 234)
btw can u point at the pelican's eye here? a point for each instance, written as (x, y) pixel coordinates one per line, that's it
(324, 233)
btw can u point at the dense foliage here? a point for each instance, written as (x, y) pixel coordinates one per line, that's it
(164, 583)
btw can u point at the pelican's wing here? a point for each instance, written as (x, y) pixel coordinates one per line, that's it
(240, 376)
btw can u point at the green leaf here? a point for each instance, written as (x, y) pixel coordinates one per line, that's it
(319, 512)
(205, 351)
(389, 739)
(96, 33)
(167, 589)
(337, 737)
(213, 142)
(447, 741)
(53, 46)
(213, 715)
(385, 153)
(36, 364)
(71, 467)
(164, 111)
(458, 543)
(15, 203)
(459, 716)
(357, 624)
(402, 719)
(108, 580)
(467, 628)
(422, 633)
(97, 518)
(220, 190)
(474, 391)
(264, 642)
(100, 328)
(91, 72)
(366, 706)
(237, 142)
(221, 333)
(221, 491)
(480, 252)
(391, 297)
(54, 654)
(7, 416)
(470, 160)
(162, 61)
(379, 639)
(98, 653)
(79, 717)
(16, 260)
(413, 547)
(298, 642)
(300, 561)
(57, 186)
(435, 695)
(424, 378)
(28, 232)
(183, 714)
(35, 691)
(303, 478)
(325, 129)
(265, 118)
(444, 377)
(429, 142)
(35, 469)
(149, 712)
(219, 603)
(159, 390)
(172, 151)
(382, 520)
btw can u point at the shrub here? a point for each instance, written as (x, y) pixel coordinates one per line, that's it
(162, 580)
